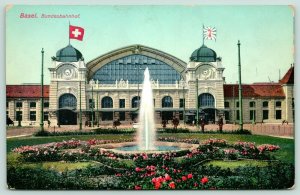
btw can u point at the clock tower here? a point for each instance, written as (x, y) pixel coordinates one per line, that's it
(67, 87)
(205, 81)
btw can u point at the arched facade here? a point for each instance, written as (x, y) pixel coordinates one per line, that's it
(107, 102)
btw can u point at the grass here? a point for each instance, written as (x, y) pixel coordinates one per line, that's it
(59, 166)
(286, 152)
(235, 164)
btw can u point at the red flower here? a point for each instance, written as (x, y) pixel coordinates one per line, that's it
(157, 185)
(204, 180)
(183, 178)
(137, 169)
(174, 171)
(138, 187)
(190, 176)
(167, 177)
(196, 184)
(172, 185)
(178, 171)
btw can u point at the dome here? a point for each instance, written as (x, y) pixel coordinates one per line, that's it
(68, 54)
(203, 54)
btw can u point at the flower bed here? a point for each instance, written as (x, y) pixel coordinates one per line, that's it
(169, 170)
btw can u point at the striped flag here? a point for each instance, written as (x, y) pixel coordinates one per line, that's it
(209, 33)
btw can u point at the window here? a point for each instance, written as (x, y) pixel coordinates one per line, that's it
(19, 104)
(132, 67)
(122, 116)
(107, 102)
(6, 104)
(122, 103)
(265, 114)
(91, 103)
(237, 116)
(19, 115)
(278, 114)
(226, 104)
(46, 104)
(46, 116)
(32, 116)
(167, 102)
(135, 102)
(7, 114)
(206, 100)
(181, 103)
(226, 115)
(252, 115)
(252, 104)
(278, 104)
(67, 101)
(32, 104)
(154, 102)
(237, 104)
(265, 104)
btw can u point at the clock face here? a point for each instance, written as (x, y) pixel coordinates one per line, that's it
(67, 71)
(206, 72)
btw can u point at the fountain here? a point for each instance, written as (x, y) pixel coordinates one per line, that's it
(146, 130)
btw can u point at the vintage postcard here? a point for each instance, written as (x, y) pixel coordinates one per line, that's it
(147, 97)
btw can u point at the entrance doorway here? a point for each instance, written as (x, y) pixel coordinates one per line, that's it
(67, 107)
(209, 115)
(67, 117)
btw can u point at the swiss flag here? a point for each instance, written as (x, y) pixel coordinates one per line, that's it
(76, 32)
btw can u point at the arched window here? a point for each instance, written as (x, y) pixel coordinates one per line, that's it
(132, 68)
(206, 100)
(67, 101)
(107, 102)
(167, 102)
(135, 102)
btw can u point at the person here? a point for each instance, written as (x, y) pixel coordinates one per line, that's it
(48, 123)
(164, 123)
(220, 123)
(202, 123)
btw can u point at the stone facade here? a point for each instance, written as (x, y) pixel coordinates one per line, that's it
(202, 84)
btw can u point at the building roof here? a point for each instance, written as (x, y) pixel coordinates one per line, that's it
(203, 54)
(68, 54)
(26, 91)
(288, 78)
(260, 90)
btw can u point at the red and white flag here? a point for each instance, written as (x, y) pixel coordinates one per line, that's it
(76, 32)
(210, 33)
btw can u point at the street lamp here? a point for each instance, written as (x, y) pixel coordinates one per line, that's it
(19, 115)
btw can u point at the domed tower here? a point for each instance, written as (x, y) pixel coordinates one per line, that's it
(205, 80)
(67, 86)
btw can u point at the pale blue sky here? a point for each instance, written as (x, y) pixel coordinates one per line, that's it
(265, 32)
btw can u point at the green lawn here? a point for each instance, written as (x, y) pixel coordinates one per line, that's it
(286, 152)
(235, 164)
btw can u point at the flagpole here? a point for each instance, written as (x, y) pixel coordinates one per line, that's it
(42, 94)
(202, 34)
(69, 32)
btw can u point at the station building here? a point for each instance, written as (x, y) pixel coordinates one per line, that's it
(108, 88)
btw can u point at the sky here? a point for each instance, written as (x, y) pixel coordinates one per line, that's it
(266, 34)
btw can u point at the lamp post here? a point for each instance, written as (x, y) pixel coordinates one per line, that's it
(92, 106)
(19, 115)
(97, 110)
(183, 99)
(253, 111)
(197, 104)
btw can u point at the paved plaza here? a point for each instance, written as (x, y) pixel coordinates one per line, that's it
(277, 130)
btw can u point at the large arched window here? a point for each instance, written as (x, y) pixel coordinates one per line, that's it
(132, 68)
(135, 102)
(107, 102)
(67, 101)
(206, 100)
(167, 102)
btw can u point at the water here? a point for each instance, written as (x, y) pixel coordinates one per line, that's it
(146, 132)
(159, 148)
